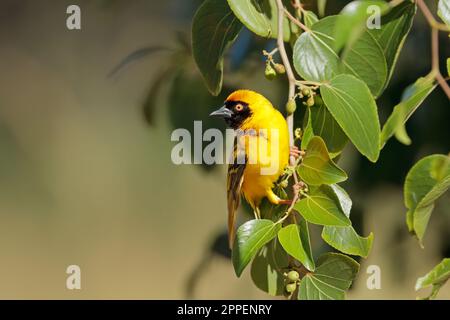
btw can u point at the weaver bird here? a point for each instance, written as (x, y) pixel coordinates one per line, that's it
(259, 124)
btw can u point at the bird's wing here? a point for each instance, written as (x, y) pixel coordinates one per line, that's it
(235, 177)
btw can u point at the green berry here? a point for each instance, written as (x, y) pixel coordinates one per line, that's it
(291, 287)
(279, 68)
(306, 92)
(270, 73)
(293, 275)
(310, 101)
(291, 106)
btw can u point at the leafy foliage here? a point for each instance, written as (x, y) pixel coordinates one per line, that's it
(412, 98)
(351, 104)
(435, 278)
(395, 26)
(334, 275)
(317, 167)
(315, 58)
(342, 68)
(267, 268)
(319, 122)
(251, 237)
(295, 240)
(213, 30)
(427, 180)
(321, 206)
(261, 17)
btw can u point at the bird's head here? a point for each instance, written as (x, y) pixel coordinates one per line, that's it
(241, 107)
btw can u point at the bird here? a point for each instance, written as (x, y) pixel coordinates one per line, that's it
(257, 122)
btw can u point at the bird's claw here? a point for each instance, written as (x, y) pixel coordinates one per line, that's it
(296, 152)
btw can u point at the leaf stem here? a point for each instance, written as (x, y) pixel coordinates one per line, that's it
(295, 21)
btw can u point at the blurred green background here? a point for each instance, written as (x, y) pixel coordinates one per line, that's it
(86, 176)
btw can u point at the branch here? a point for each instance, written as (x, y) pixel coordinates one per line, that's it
(295, 20)
(292, 80)
(435, 62)
(430, 18)
(435, 27)
(289, 72)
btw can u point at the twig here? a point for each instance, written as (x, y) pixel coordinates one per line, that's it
(435, 27)
(292, 81)
(295, 20)
(430, 18)
(289, 72)
(435, 62)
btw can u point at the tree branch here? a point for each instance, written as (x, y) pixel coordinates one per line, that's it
(435, 62)
(430, 18)
(289, 72)
(292, 81)
(435, 27)
(295, 20)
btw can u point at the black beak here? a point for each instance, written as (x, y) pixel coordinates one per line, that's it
(223, 112)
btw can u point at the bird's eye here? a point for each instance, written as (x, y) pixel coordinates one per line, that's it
(239, 107)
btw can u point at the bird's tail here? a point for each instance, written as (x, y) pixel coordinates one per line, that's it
(231, 225)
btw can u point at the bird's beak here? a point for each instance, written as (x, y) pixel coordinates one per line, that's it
(223, 112)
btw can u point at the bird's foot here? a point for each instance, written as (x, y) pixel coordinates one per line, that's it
(296, 152)
(285, 202)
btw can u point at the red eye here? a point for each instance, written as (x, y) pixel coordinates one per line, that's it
(239, 107)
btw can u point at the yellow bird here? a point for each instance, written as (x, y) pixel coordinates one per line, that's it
(262, 142)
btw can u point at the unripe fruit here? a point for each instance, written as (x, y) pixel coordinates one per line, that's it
(284, 184)
(306, 92)
(291, 106)
(279, 68)
(270, 73)
(310, 101)
(293, 275)
(291, 287)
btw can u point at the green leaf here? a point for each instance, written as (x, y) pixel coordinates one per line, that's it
(395, 27)
(351, 21)
(427, 180)
(295, 240)
(346, 239)
(350, 103)
(267, 268)
(344, 199)
(309, 18)
(321, 206)
(333, 276)
(250, 237)
(316, 60)
(321, 123)
(261, 17)
(448, 66)
(444, 11)
(214, 29)
(412, 98)
(317, 167)
(437, 277)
